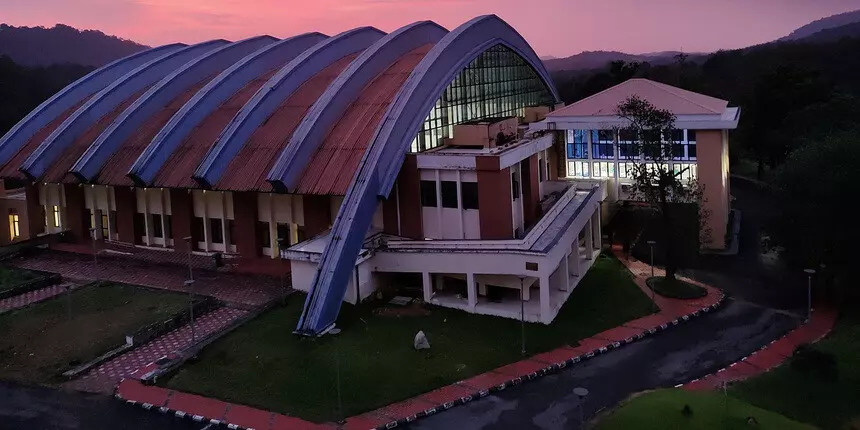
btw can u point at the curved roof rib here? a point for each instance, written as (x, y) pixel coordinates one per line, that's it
(156, 98)
(431, 77)
(343, 91)
(70, 97)
(208, 99)
(106, 101)
(278, 89)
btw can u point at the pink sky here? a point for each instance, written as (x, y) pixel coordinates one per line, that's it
(553, 27)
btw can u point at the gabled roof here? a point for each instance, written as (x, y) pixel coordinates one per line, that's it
(662, 96)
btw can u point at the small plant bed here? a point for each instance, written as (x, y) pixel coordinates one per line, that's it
(680, 409)
(11, 277)
(675, 288)
(819, 383)
(39, 342)
(261, 364)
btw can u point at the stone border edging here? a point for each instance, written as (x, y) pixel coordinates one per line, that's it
(553, 368)
(44, 280)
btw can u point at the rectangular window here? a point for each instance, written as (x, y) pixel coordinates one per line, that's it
(113, 222)
(231, 231)
(56, 217)
(428, 194)
(691, 151)
(627, 150)
(541, 171)
(105, 230)
(515, 186)
(215, 230)
(139, 222)
(14, 226)
(283, 234)
(449, 194)
(263, 234)
(470, 195)
(578, 168)
(155, 224)
(198, 229)
(691, 136)
(604, 169)
(168, 227)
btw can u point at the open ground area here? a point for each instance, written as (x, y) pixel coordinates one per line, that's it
(680, 409)
(39, 342)
(264, 365)
(806, 396)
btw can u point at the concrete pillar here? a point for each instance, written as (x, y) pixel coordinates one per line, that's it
(471, 290)
(544, 299)
(225, 230)
(163, 198)
(147, 218)
(589, 241)
(427, 286)
(565, 272)
(595, 228)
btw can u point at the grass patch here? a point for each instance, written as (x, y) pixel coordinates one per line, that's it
(264, 365)
(664, 409)
(11, 277)
(808, 397)
(675, 288)
(39, 342)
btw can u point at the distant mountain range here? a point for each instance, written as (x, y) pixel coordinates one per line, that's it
(40, 46)
(830, 22)
(827, 29)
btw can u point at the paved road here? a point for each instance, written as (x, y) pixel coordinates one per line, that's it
(670, 358)
(40, 408)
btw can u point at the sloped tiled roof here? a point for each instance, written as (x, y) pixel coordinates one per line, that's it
(662, 96)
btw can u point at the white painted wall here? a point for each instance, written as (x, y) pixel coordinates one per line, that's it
(450, 223)
(303, 274)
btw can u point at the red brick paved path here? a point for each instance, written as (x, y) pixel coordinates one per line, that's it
(234, 288)
(105, 377)
(31, 297)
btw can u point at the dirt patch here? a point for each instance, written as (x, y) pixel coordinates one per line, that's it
(413, 310)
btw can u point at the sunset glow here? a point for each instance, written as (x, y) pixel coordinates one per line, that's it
(552, 27)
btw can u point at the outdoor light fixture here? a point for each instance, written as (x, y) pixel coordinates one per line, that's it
(809, 273)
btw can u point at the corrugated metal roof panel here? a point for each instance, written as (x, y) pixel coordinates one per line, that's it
(116, 167)
(248, 169)
(333, 166)
(57, 171)
(10, 169)
(177, 171)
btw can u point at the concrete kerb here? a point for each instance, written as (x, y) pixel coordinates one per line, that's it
(182, 414)
(553, 368)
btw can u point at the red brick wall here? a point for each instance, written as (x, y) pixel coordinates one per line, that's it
(77, 215)
(409, 188)
(245, 212)
(494, 199)
(126, 207)
(317, 214)
(180, 218)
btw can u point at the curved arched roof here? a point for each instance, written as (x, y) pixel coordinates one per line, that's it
(302, 113)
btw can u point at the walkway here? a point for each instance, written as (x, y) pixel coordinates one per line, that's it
(106, 376)
(247, 290)
(32, 297)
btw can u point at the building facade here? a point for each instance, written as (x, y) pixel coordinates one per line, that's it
(355, 161)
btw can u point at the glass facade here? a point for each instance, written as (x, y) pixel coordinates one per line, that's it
(577, 144)
(498, 83)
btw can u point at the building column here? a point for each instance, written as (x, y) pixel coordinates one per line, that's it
(544, 299)
(471, 290)
(163, 198)
(589, 241)
(225, 232)
(595, 228)
(147, 221)
(427, 286)
(566, 273)
(273, 228)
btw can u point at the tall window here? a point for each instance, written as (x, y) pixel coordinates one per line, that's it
(626, 148)
(56, 217)
(603, 144)
(155, 224)
(449, 194)
(263, 234)
(14, 226)
(215, 230)
(428, 194)
(496, 84)
(577, 144)
(105, 226)
(470, 194)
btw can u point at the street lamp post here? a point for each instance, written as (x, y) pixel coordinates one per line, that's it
(282, 273)
(95, 257)
(581, 393)
(522, 316)
(189, 284)
(809, 273)
(651, 244)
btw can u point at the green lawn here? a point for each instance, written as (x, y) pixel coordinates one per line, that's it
(807, 398)
(675, 289)
(263, 364)
(39, 342)
(663, 410)
(11, 277)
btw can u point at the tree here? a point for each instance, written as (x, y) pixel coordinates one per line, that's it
(650, 132)
(815, 222)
